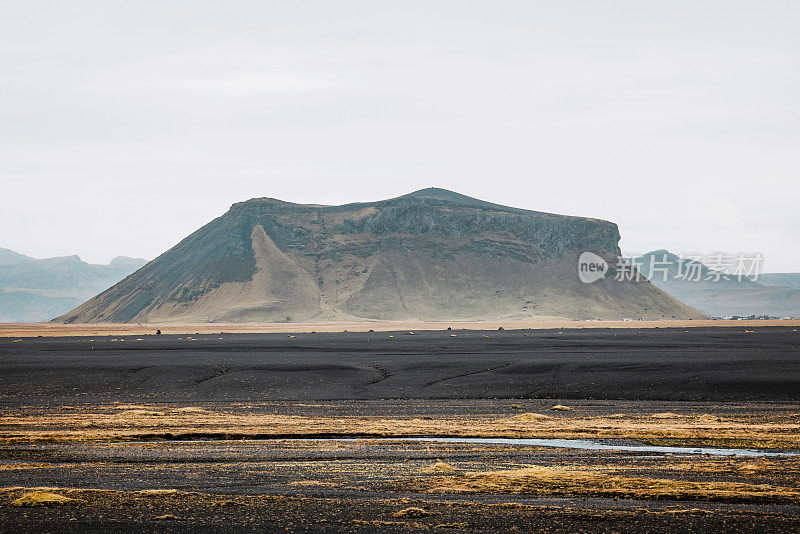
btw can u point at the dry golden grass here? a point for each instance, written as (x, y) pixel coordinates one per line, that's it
(540, 480)
(23, 465)
(528, 417)
(138, 413)
(412, 511)
(760, 429)
(439, 467)
(42, 498)
(786, 468)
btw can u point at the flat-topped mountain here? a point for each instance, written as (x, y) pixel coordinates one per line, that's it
(429, 255)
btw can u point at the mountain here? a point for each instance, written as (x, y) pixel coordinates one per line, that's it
(9, 257)
(720, 297)
(429, 255)
(780, 279)
(38, 290)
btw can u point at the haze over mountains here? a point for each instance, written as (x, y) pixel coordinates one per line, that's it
(39, 289)
(429, 255)
(776, 295)
(780, 279)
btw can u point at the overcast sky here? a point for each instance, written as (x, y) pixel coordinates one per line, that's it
(124, 126)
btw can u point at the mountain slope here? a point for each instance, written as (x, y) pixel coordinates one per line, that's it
(431, 255)
(38, 290)
(719, 297)
(9, 257)
(780, 279)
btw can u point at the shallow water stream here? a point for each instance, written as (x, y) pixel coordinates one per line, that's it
(583, 444)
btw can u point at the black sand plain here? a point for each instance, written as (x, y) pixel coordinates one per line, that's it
(715, 364)
(155, 480)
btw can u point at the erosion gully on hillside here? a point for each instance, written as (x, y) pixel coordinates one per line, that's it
(234, 431)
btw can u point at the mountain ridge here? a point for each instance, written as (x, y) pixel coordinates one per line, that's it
(34, 289)
(430, 254)
(718, 295)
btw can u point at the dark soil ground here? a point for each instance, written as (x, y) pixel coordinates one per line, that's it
(715, 364)
(68, 426)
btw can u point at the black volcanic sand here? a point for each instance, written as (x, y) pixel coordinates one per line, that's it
(363, 485)
(716, 364)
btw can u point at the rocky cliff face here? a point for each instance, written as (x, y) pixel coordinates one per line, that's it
(430, 255)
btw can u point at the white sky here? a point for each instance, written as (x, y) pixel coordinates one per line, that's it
(124, 126)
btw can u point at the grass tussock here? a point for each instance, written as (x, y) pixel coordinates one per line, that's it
(439, 467)
(553, 481)
(42, 498)
(412, 511)
(529, 417)
(665, 415)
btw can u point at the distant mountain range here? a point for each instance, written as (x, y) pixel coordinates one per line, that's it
(780, 280)
(697, 285)
(429, 255)
(40, 289)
